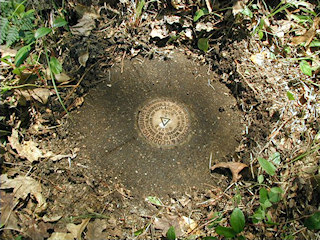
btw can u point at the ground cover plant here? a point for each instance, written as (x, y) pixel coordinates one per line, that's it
(267, 54)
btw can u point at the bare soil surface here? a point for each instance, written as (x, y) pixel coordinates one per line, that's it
(106, 132)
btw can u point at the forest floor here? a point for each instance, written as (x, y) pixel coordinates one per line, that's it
(55, 182)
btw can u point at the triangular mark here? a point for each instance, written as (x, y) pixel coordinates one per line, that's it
(164, 121)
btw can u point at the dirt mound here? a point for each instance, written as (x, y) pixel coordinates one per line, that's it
(116, 136)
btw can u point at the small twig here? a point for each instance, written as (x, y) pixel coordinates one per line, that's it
(122, 61)
(210, 85)
(251, 167)
(24, 85)
(244, 78)
(210, 160)
(205, 224)
(209, 6)
(233, 183)
(299, 231)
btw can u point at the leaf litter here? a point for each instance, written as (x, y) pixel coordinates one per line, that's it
(24, 187)
(27, 149)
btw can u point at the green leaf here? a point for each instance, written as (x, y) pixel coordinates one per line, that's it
(13, 35)
(225, 231)
(4, 89)
(55, 65)
(140, 7)
(171, 233)
(199, 14)
(290, 95)
(276, 190)
(313, 222)
(217, 218)
(209, 238)
(287, 49)
(19, 8)
(4, 26)
(42, 32)
(59, 22)
(6, 59)
(275, 194)
(263, 194)
(21, 55)
(269, 221)
(315, 43)
(264, 201)
(139, 232)
(29, 12)
(259, 215)
(260, 179)
(275, 158)
(306, 68)
(266, 204)
(259, 27)
(154, 200)
(241, 238)
(19, 70)
(203, 44)
(18, 238)
(237, 220)
(247, 12)
(267, 166)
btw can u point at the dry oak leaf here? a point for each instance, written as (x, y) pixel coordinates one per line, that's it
(76, 230)
(235, 168)
(85, 25)
(22, 187)
(8, 217)
(27, 149)
(96, 230)
(309, 35)
(39, 94)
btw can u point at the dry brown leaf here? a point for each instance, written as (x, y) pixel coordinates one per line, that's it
(85, 25)
(76, 230)
(95, 230)
(22, 187)
(61, 236)
(309, 35)
(8, 215)
(208, 26)
(159, 32)
(238, 7)
(62, 78)
(78, 101)
(83, 58)
(235, 168)
(39, 94)
(182, 225)
(172, 19)
(27, 149)
(116, 232)
(45, 218)
(36, 230)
